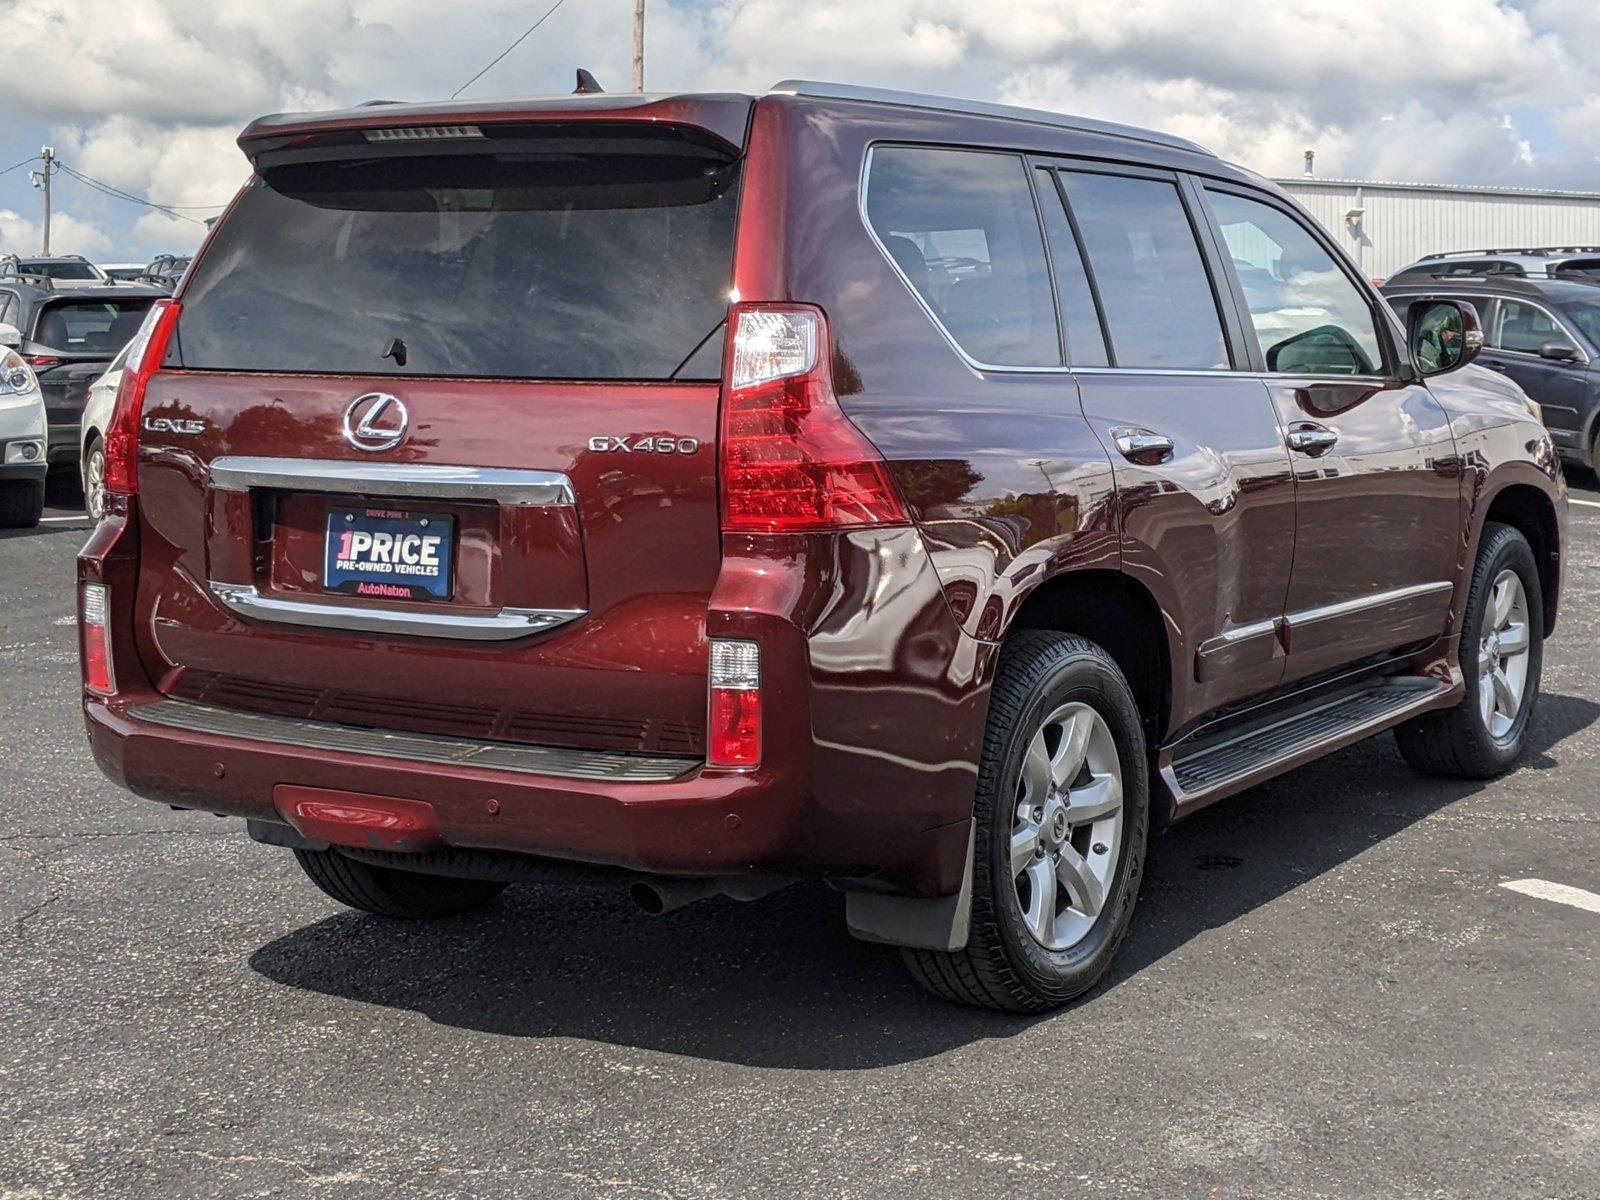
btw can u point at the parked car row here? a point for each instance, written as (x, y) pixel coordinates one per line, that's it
(163, 271)
(701, 492)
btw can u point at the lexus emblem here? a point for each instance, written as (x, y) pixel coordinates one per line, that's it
(376, 421)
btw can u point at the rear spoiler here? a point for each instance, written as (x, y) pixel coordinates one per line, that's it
(723, 116)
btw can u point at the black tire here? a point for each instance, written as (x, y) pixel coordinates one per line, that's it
(407, 895)
(93, 472)
(1002, 965)
(1457, 742)
(21, 503)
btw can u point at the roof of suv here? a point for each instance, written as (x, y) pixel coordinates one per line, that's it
(724, 113)
(36, 289)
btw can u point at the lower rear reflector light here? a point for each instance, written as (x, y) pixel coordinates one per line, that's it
(96, 640)
(734, 727)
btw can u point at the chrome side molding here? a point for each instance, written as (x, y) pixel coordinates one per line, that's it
(247, 601)
(503, 485)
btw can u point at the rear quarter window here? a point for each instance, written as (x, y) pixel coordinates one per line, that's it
(961, 228)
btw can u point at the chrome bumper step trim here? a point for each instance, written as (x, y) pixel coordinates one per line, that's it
(604, 766)
(247, 601)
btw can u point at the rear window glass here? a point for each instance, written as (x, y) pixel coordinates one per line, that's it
(534, 258)
(89, 326)
(60, 270)
(962, 229)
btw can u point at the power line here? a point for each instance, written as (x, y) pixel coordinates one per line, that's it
(23, 163)
(507, 50)
(119, 194)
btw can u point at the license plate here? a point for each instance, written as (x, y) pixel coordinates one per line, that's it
(389, 555)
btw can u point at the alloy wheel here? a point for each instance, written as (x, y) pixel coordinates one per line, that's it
(1067, 833)
(94, 484)
(1503, 648)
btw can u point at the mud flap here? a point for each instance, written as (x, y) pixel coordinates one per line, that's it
(937, 923)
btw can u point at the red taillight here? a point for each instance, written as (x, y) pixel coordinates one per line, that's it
(734, 725)
(144, 360)
(43, 360)
(791, 460)
(96, 640)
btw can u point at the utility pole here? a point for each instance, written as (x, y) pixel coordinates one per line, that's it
(48, 153)
(638, 45)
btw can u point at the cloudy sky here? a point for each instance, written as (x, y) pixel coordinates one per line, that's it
(146, 96)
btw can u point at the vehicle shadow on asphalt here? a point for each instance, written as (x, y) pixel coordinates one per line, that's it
(778, 983)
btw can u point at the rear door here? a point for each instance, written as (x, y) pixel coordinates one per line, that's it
(1204, 488)
(433, 446)
(1376, 478)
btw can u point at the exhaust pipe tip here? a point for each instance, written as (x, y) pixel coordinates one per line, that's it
(648, 898)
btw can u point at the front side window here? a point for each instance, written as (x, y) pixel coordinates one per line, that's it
(1159, 307)
(1522, 328)
(1309, 317)
(961, 227)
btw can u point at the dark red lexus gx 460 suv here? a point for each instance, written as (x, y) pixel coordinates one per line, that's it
(695, 493)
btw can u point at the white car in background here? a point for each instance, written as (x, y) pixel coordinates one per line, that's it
(22, 436)
(97, 406)
(123, 272)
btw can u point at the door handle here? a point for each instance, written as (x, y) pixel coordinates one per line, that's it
(1311, 438)
(1142, 446)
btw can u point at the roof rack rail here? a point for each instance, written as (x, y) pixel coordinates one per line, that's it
(29, 278)
(1532, 252)
(981, 108)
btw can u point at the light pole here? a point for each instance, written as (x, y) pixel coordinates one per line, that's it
(638, 45)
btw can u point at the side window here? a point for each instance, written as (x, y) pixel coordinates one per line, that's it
(1309, 317)
(1159, 307)
(961, 227)
(5, 308)
(1522, 328)
(1080, 321)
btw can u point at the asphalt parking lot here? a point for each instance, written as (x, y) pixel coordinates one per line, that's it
(1327, 993)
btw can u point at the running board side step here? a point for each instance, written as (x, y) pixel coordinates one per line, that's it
(1232, 761)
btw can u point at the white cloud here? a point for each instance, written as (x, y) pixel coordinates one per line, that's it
(159, 88)
(68, 235)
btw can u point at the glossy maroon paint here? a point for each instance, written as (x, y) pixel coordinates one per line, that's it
(878, 645)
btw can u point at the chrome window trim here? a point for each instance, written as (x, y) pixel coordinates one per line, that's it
(428, 481)
(245, 600)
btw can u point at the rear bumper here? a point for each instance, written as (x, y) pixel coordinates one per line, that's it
(63, 446)
(870, 742)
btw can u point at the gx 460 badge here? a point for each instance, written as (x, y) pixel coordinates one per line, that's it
(644, 445)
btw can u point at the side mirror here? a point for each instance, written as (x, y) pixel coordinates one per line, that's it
(1558, 351)
(1444, 335)
(10, 336)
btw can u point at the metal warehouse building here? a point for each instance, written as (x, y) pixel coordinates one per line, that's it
(1385, 226)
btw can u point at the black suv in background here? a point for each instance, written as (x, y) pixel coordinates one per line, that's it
(1540, 331)
(69, 334)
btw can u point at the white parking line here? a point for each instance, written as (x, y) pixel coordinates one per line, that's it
(1559, 893)
(1585, 503)
(82, 519)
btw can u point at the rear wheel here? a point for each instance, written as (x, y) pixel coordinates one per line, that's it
(1502, 653)
(21, 503)
(408, 895)
(94, 480)
(1061, 816)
